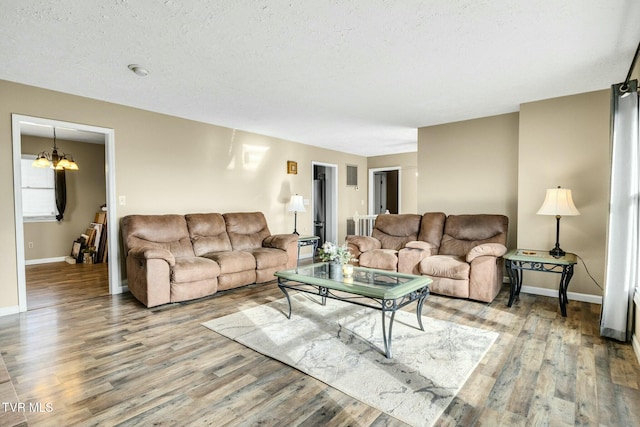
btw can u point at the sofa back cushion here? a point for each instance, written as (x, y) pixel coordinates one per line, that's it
(157, 231)
(246, 230)
(464, 232)
(208, 233)
(432, 227)
(394, 231)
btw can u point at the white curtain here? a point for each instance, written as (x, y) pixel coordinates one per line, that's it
(621, 277)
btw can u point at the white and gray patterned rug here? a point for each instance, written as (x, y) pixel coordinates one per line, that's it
(341, 345)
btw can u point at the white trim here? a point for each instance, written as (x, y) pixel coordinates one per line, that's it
(331, 235)
(372, 171)
(17, 209)
(635, 340)
(7, 311)
(594, 299)
(43, 261)
(636, 346)
(110, 178)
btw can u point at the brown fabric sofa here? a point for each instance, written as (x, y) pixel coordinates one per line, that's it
(390, 234)
(171, 258)
(461, 253)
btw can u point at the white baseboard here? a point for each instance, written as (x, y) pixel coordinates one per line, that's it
(6, 311)
(43, 260)
(594, 299)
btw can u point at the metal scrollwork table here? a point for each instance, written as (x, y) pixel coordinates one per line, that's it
(518, 260)
(386, 291)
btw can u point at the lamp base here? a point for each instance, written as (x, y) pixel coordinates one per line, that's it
(295, 232)
(557, 252)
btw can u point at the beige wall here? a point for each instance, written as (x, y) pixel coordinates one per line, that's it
(165, 164)
(565, 141)
(504, 164)
(86, 190)
(470, 167)
(408, 163)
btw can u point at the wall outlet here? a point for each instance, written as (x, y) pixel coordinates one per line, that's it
(122, 200)
(30, 244)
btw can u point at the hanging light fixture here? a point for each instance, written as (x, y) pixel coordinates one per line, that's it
(56, 160)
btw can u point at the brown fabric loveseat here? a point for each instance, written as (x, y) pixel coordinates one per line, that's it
(461, 253)
(171, 258)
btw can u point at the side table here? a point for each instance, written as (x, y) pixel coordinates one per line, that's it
(518, 260)
(307, 241)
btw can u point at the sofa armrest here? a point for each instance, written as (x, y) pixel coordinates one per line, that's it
(413, 252)
(146, 253)
(285, 242)
(279, 241)
(486, 249)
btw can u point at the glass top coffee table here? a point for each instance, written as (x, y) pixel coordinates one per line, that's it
(386, 291)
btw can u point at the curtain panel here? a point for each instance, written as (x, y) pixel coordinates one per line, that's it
(61, 193)
(621, 276)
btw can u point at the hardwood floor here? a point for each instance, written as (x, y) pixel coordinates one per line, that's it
(89, 358)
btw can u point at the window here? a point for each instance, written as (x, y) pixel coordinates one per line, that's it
(38, 192)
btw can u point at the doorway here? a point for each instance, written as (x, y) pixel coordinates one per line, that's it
(22, 125)
(384, 190)
(325, 201)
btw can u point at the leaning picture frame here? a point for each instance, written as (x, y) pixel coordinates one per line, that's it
(75, 249)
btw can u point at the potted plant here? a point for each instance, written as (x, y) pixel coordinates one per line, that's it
(336, 256)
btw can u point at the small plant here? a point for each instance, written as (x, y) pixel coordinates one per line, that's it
(330, 252)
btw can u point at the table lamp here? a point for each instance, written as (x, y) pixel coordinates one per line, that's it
(558, 202)
(296, 205)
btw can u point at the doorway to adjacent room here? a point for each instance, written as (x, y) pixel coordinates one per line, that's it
(23, 125)
(325, 201)
(384, 190)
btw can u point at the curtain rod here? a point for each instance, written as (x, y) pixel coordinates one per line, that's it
(625, 86)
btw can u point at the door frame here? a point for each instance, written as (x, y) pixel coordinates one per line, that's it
(115, 286)
(332, 195)
(372, 173)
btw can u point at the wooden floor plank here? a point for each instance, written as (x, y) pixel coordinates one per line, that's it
(102, 359)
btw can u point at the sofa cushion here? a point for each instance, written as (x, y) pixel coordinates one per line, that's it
(382, 259)
(452, 267)
(394, 231)
(246, 230)
(193, 269)
(432, 227)
(208, 233)
(463, 232)
(269, 257)
(168, 232)
(233, 261)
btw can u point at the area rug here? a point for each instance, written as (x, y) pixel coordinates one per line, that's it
(341, 345)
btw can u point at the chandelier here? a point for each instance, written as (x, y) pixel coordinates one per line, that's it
(56, 160)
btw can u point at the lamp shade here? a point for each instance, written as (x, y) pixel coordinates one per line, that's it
(296, 204)
(558, 202)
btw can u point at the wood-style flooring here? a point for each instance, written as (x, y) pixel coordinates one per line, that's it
(89, 358)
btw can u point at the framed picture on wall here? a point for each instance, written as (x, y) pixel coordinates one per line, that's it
(292, 167)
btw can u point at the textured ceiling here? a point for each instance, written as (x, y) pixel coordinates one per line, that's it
(355, 76)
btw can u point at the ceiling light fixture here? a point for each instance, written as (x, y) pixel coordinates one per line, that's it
(140, 71)
(55, 160)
